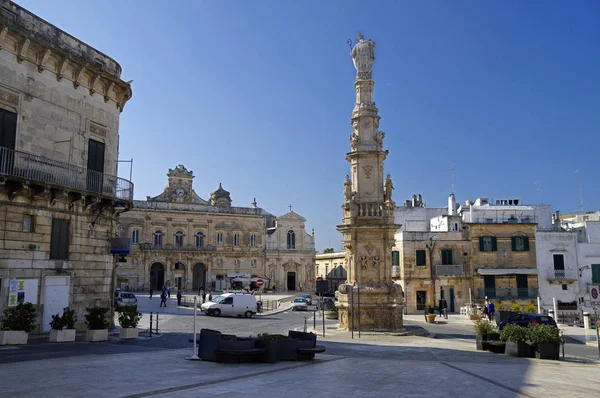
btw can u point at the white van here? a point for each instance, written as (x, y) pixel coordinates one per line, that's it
(231, 304)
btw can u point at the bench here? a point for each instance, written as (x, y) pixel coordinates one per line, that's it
(305, 354)
(227, 355)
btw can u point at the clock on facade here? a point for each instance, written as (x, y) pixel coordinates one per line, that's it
(180, 192)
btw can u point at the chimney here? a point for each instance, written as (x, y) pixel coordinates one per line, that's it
(557, 226)
(451, 205)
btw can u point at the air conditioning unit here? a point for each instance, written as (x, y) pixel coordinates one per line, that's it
(595, 293)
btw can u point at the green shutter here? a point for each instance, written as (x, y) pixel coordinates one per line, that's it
(513, 242)
(595, 273)
(395, 257)
(481, 247)
(526, 239)
(494, 244)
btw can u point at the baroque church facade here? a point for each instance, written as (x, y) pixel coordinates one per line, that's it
(186, 242)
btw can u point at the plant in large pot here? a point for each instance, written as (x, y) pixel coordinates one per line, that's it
(482, 327)
(531, 308)
(269, 342)
(546, 340)
(97, 322)
(18, 322)
(516, 338)
(129, 317)
(430, 318)
(429, 306)
(63, 326)
(331, 312)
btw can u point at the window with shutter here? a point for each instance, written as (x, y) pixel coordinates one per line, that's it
(421, 259)
(595, 273)
(446, 256)
(395, 257)
(59, 239)
(520, 243)
(559, 261)
(488, 244)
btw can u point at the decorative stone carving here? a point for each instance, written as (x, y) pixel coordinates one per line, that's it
(353, 141)
(97, 130)
(364, 262)
(367, 169)
(347, 189)
(9, 98)
(379, 138)
(363, 54)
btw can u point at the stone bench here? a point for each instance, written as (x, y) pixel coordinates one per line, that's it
(305, 354)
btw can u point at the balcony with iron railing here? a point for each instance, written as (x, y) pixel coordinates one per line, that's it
(32, 168)
(506, 293)
(175, 248)
(562, 275)
(449, 270)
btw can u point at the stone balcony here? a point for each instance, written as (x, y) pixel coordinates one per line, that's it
(506, 293)
(456, 270)
(562, 275)
(175, 248)
(20, 170)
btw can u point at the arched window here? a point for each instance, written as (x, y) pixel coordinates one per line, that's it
(220, 239)
(179, 238)
(199, 239)
(135, 236)
(236, 240)
(291, 240)
(253, 240)
(158, 238)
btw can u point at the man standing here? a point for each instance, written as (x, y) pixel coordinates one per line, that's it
(151, 291)
(163, 299)
(491, 310)
(169, 292)
(445, 308)
(179, 295)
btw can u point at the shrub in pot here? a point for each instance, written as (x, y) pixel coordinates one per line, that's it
(18, 322)
(63, 326)
(515, 308)
(430, 318)
(429, 306)
(516, 338)
(546, 340)
(482, 328)
(331, 312)
(97, 322)
(129, 317)
(531, 309)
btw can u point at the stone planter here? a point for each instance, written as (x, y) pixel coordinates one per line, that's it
(96, 335)
(128, 333)
(13, 337)
(271, 347)
(494, 336)
(547, 351)
(481, 342)
(497, 347)
(430, 318)
(522, 350)
(62, 336)
(209, 342)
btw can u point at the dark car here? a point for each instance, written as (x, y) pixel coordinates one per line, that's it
(528, 319)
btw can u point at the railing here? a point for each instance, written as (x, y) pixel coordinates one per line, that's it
(370, 209)
(562, 275)
(507, 293)
(37, 168)
(449, 270)
(171, 247)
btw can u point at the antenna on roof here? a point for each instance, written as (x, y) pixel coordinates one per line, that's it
(580, 190)
(452, 172)
(540, 189)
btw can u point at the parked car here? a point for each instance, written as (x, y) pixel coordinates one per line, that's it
(308, 298)
(527, 319)
(124, 299)
(240, 304)
(299, 304)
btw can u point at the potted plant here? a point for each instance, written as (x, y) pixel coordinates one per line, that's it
(129, 317)
(531, 309)
(482, 328)
(516, 308)
(18, 322)
(546, 340)
(97, 323)
(63, 327)
(430, 318)
(516, 338)
(429, 306)
(331, 312)
(500, 306)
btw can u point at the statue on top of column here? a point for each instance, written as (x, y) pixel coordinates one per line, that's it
(388, 188)
(363, 55)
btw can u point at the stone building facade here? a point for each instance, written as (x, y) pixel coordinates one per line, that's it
(333, 268)
(60, 103)
(186, 242)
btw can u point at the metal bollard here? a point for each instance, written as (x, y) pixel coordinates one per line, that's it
(157, 323)
(305, 325)
(150, 324)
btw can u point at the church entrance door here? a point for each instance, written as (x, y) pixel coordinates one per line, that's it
(291, 281)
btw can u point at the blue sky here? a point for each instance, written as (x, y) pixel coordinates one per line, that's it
(258, 95)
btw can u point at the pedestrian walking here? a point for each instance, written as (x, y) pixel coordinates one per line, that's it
(209, 296)
(491, 310)
(151, 292)
(179, 295)
(169, 292)
(445, 308)
(163, 299)
(484, 311)
(441, 307)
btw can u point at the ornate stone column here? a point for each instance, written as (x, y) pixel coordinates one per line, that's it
(368, 213)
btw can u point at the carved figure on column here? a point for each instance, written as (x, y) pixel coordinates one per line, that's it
(363, 55)
(353, 140)
(347, 189)
(389, 187)
(379, 138)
